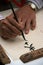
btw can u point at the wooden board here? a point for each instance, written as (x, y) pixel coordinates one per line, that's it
(32, 55)
(3, 56)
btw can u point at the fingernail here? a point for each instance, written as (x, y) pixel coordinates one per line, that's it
(33, 27)
(26, 32)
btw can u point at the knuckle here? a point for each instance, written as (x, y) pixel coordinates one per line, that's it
(21, 27)
(4, 37)
(2, 21)
(8, 17)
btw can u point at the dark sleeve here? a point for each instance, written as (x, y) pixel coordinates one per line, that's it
(3, 5)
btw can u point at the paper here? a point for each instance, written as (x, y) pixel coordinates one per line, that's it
(16, 48)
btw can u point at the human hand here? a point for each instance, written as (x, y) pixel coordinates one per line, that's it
(8, 29)
(26, 21)
(27, 18)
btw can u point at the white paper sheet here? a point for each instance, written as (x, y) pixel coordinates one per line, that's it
(16, 48)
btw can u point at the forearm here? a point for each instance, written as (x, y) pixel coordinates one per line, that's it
(38, 3)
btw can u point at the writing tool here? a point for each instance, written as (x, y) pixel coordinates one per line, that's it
(11, 6)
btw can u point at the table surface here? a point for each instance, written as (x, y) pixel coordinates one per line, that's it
(15, 48)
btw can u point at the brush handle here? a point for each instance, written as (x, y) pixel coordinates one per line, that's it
(32, 55)
(11, 6)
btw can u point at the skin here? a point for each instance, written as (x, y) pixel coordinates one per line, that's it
(26, 21)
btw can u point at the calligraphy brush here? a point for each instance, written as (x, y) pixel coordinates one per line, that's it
(11, 6)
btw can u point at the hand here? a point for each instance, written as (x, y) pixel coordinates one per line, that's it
(8, 29)
(26, 21)
(27, 18)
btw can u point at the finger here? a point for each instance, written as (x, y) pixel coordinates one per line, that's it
(22, 23)
(18, 24)
(33, 23)
(7, 33)
(11, 27)
(13, 22)
(27, 27)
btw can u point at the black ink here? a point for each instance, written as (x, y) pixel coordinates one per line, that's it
(26, 43)
(31, 47)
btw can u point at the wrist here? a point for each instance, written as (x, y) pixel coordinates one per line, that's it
(32, 5)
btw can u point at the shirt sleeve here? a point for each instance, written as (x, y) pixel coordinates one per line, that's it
(38, 3)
